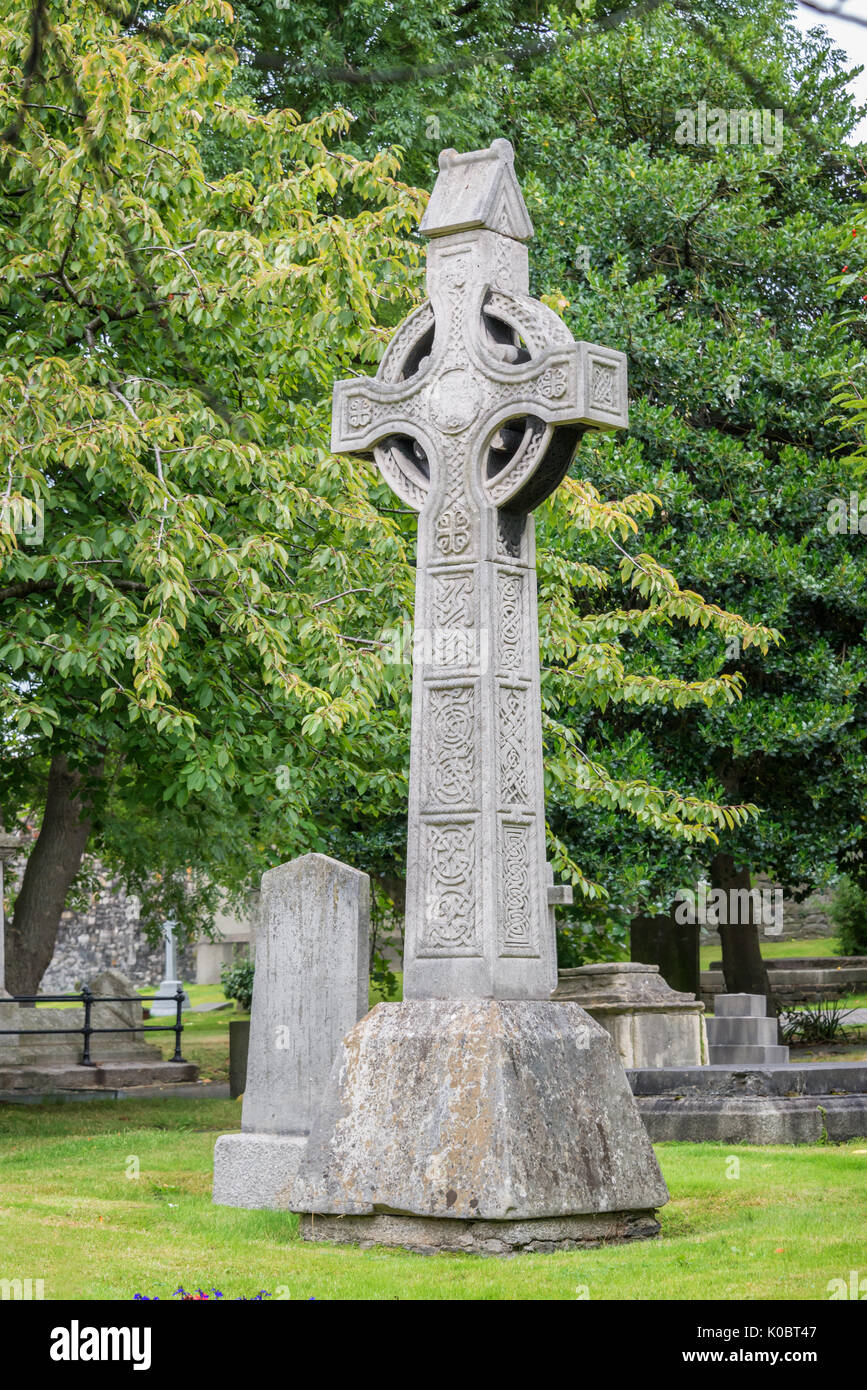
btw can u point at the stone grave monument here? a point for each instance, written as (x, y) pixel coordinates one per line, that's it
(9, 1011)
(478, 1114)
(170, 984)
(49, 1062)
(9, 847)
(310, 987)
(651, 1024)
(740, 1033)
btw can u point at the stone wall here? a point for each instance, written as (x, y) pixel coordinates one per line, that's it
(801, 921)
(107, 935)
(801, 982)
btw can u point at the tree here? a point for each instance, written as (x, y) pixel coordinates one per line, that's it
(199, 611)
(196, 682)
(709, 264)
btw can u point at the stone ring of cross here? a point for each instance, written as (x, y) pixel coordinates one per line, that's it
(483, 393)
(503, 332)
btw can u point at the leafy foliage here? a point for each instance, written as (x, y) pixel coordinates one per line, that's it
(187, 269)
(815, 1023)
(710, 266)
(237, 982)
(848, 912)
(201, 611)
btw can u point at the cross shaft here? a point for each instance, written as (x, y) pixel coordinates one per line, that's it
(473, 419)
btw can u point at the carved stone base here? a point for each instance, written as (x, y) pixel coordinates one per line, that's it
(479, 1110)
(431, 1236)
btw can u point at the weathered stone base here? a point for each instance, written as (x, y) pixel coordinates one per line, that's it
(256, 1170)
(432, 1236)
(478, 1110)
(652, 1025)
(795, 1104)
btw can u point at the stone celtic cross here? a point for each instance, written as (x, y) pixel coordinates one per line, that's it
(473, 418)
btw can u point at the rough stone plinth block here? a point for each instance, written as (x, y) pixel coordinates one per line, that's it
(740, 1006)
(310, 987)
(256, 1170)
(475, 1110)
(425, 1235)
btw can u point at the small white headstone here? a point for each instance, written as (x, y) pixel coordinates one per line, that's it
(170, 984)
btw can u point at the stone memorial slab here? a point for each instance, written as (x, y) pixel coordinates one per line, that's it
(473, 419)
(309, 989)
(650, 1024)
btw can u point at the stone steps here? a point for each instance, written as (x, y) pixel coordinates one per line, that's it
(756, 1032)
(795, 983)
(740, 1034)
(112, 1075)
(747, 1054)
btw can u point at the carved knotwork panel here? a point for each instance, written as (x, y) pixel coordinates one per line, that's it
(518, 905)
(450, 748)
(450, 874)
(455, 637)
(511, 636)
(512, 750)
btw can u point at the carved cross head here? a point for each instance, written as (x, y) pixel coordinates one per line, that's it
(483, 392)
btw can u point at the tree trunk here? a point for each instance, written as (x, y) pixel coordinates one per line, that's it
(53, 863)
(743, 968)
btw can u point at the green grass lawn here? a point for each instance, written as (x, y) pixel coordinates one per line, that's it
(69, 1214)
(777, 950)
(205, 1039)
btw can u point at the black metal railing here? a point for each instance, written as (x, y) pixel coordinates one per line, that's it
(88, 999)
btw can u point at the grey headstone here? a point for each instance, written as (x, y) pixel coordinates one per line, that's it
(674, 946)
(749, 1029)
(309, 989)
(740, 1006)
(166, 1005)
